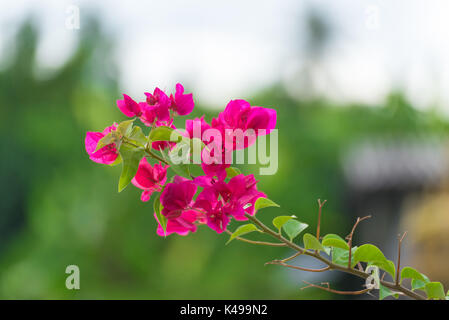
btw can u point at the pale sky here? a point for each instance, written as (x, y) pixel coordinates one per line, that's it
(230, 49)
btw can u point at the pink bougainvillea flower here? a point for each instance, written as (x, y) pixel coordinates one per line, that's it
(106, 155)
(195, 128)
(181, 225)
(253, 121)
(235, 114)
(215, 170)
(204, 181)
(213, 158)
(262, 120)
(182, 103)
(129, 107)
(239, 194)
(148, 115)
(162, 145)
(216, 218)
(177, 197)
(214, 165)
(149, 178)
(220, 200)
(160, 103)
(239, 114)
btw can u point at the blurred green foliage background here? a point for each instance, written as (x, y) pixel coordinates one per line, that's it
(58, 208)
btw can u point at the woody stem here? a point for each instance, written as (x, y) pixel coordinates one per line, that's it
(330, 264)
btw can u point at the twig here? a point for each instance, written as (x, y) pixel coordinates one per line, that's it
(349, 237)
(399, 256)
(292, 257)
(320, 205)
(257, 242)
(336, 291)
(279, 262)
(359, 265)
(274, 234)
(147, 149)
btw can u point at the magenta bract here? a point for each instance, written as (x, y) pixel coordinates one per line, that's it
(106, 155)
(149, 178)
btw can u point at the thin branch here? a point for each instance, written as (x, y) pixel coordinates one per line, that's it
(399, 256)
(292, 257)
(147, 150)
(279, 262)
(155, 156)
(320, 207)
(359, 265)
(349, 237)
(274, 234)
(336, 291)
(257, 242)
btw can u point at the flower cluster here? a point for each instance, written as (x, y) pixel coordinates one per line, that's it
(185, 201)
(221, 193)
(158, 109)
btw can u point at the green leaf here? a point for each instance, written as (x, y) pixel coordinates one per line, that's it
(371, 254)
(388, 266)
(278, 222)
(117, 161)
(263, 203)
(131, 157)
(157, 206)
(328, 250)
(138, 136)
(341, 256)
(293, 228)
(418, 284)
(385, 292)
(180, 169)
(244, 229)
(335, 241)
(311, 242)
(411, 273)
(232, 172)
(107, 139)
(435, 290)
(164, 133)
(124, 128)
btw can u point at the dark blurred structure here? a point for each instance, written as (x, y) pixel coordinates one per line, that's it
(383, 173)
(426, 218)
